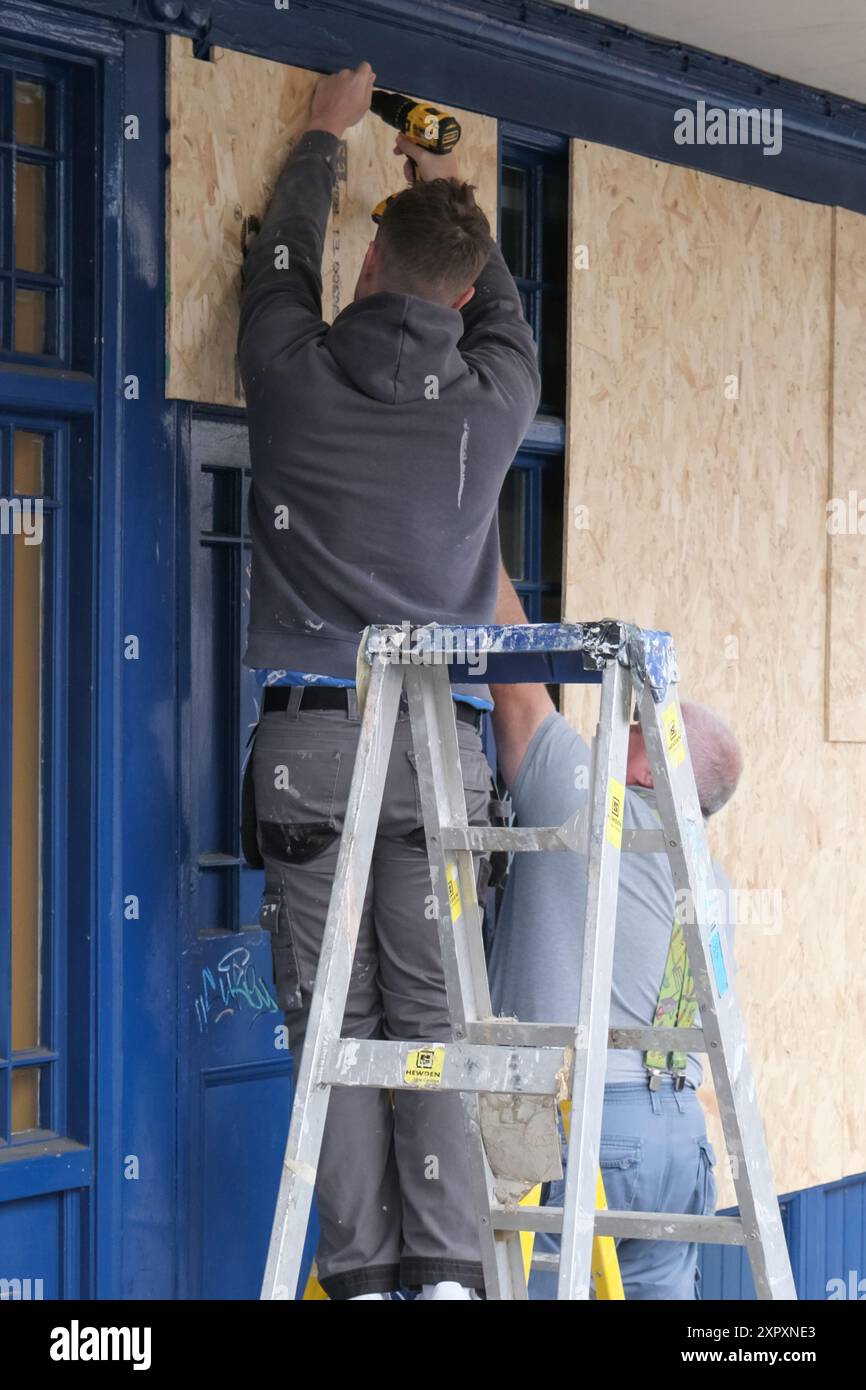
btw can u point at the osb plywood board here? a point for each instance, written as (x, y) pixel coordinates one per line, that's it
(698, 466)
(233, 121)
(846, 519)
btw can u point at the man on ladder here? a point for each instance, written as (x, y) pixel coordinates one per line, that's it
(379, 446)
(655, 1154)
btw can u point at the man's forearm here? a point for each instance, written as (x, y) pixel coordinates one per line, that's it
(285, 258)
(509, 609)
(518, 710)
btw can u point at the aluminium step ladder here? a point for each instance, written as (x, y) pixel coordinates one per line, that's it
(511, 1075)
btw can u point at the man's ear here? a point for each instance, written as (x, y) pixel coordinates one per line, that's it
(367, 274)
(464, 298)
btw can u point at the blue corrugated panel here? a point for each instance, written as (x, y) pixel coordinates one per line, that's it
(826, 1232)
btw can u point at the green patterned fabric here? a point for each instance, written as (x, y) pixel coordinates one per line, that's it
(677, 1006)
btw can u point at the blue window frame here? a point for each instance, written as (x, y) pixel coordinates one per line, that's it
(46, 112)
(533, 233)
(48, 428)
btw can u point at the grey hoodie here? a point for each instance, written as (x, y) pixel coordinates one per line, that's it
(382, 441)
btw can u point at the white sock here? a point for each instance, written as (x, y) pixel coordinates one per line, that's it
(437, 1293)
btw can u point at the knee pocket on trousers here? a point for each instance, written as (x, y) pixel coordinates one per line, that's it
(275, 920)
(619, 1159)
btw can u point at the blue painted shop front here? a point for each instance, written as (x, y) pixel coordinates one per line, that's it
(142, 1125)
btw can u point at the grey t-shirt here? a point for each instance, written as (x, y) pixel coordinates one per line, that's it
(537, 950)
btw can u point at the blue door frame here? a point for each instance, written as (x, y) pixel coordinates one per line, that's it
(163, 1189)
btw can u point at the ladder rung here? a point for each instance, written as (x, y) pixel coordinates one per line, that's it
(485, 839)
(482, 839)
(462, 1066)
(632, 1225)
(644, 842)
(545, 1264)
(658, 1039)
(510, 1033)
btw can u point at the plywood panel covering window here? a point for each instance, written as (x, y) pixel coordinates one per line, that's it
(233, 121)
(700, 416)
(846, 507)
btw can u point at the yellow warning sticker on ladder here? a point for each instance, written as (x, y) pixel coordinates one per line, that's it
(424, 1066)
(616, 801)
(673, 733)
(453, 892)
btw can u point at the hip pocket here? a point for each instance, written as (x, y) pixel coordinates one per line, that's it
(620, 1159)
(274, 919)
(293, 786)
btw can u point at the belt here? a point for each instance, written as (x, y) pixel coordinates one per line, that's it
(276, 699)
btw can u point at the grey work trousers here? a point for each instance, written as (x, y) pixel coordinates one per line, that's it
(393, 1186)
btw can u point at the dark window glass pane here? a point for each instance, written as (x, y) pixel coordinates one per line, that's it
(529, 299)
(551, 526)
(530, 599)
(30, 101)
(553, 352)
(514, 220)
(512, 523)
(34, 311)
(29, 216)
(555, 224)
(216, 501)
(215, 659)
(245, 512)
(551, 608)
(7, 174)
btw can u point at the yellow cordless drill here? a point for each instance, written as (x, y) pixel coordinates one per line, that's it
(426, 126)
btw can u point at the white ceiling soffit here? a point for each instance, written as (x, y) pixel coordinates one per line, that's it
(822, 45)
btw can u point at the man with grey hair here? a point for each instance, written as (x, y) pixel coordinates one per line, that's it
(655, 1155)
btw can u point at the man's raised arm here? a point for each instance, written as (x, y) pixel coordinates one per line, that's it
(281, 301)
(518, 710)
(497, 341)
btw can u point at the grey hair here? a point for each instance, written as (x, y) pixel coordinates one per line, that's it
(716, 756)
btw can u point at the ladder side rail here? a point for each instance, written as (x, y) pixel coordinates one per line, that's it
(591, 1036)
(443, 802)
(328, 1004)
(721, 1022)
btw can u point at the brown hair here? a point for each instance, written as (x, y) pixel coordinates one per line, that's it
(434, 240)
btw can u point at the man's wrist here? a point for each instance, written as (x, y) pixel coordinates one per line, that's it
(328, 128)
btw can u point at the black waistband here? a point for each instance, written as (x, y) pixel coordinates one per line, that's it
(276, 698)
(312, 697)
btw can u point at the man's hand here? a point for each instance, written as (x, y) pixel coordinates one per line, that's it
(341, 100)
(430, 166)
